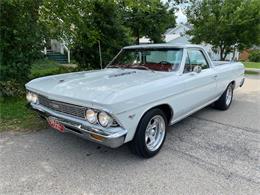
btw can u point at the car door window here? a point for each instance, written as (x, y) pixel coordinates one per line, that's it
(195, 58)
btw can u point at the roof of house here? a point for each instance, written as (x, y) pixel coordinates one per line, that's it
(172, 30)
(180, 40)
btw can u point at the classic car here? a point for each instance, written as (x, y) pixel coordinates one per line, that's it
(141, 92)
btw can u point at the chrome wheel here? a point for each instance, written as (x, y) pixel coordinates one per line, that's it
(155, 133)
(229, 94)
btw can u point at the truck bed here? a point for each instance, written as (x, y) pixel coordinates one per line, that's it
(219, 63)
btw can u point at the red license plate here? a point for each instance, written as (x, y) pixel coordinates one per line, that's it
(56, 125)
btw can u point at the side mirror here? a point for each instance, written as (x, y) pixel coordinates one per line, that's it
(197, 69)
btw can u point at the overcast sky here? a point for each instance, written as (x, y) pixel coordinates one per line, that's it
(180, 16)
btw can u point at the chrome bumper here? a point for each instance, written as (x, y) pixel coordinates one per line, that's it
(112, 137)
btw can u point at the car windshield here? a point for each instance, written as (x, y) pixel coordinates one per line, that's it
(158, 59)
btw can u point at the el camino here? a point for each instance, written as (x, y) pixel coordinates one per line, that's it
(141, 92)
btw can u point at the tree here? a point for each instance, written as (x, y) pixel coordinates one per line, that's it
(106, 20)
(225, 24)
(84, 24)
(20, 38)
(148, 18)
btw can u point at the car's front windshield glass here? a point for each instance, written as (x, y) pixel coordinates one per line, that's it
(158, 59)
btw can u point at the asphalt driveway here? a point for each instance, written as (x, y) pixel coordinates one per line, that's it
(210, 152)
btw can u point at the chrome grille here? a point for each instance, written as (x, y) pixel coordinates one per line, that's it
(74, 110)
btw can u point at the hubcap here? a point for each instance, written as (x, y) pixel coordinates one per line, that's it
(154, 133)
(229, 95)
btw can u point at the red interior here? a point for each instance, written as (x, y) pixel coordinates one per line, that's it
(153, 66)
(159, 67)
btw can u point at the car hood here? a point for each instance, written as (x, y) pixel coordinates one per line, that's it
(102, 86)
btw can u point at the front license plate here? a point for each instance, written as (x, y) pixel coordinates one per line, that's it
(55, 124)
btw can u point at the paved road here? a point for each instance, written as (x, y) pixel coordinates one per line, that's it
(211, 152)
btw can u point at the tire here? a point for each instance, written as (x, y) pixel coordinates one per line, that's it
(224, 102)
(150, 134)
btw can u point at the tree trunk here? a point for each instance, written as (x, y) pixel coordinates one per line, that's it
(137, 37)
(137, 41)
(221, 54)
(222, 58)
(225, 55)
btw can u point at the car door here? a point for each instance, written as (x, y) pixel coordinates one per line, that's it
(200, 87)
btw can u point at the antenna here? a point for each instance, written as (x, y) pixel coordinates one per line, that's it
(100, 55)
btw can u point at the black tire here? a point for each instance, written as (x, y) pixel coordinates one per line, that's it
(222, 103)
(138, 144)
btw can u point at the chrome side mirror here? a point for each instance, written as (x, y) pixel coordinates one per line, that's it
(197, 69)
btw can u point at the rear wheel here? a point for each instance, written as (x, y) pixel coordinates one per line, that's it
(224, 102)
(150, 134)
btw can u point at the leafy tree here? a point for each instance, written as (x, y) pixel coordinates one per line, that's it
(148, 18)
(106, 21)
(85, 24)
(225, 24)
(20, 38)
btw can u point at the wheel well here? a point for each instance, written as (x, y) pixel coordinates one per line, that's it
(233, 84)
(168, 111)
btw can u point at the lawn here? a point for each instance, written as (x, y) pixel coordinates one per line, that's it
(46, 67)
(252, 64)
(14, 115)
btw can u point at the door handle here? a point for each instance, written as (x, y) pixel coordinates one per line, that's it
(215, 76)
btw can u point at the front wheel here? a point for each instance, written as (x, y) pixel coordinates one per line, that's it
(224, 102)
(150, 134)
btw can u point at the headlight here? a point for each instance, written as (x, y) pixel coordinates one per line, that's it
(29, 97)
(104, 119)
(32, 98)
(91, 116)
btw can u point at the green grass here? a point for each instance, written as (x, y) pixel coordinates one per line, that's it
(252, 64)
(251, 72)
(14, 115)
(45, 67)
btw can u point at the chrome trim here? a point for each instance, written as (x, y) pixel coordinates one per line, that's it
(73, 110)
(112, 137)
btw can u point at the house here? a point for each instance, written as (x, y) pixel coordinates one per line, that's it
(57, 51)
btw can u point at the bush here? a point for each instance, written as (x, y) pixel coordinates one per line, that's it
(11, 88)
(254, 56)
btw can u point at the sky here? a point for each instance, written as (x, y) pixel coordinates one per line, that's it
(180, 16)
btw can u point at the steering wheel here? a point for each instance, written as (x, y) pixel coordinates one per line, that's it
(165, 62)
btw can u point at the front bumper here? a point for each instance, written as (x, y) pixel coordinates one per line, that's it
(112, 137)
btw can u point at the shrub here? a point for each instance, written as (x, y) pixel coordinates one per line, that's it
(254, 56)
(11, 88)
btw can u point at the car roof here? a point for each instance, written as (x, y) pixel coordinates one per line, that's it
(161, 45)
